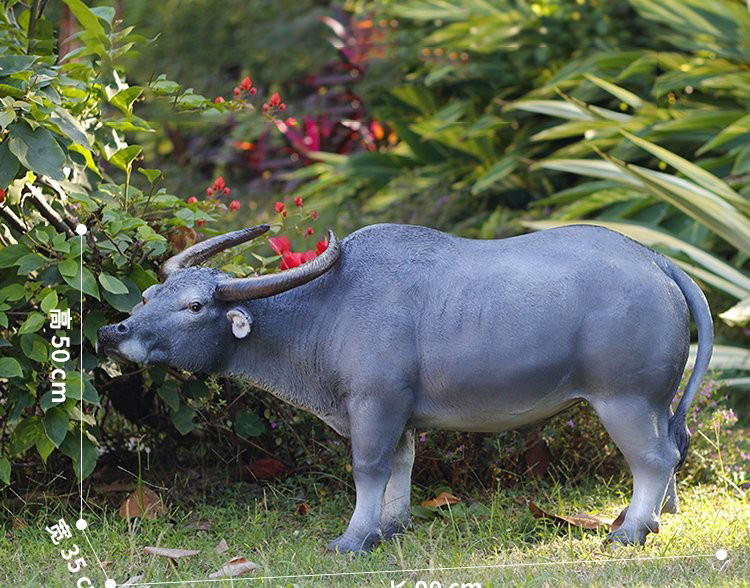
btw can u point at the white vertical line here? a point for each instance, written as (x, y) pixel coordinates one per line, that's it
(80, 325)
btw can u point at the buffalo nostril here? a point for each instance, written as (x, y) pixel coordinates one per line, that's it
(121, 328)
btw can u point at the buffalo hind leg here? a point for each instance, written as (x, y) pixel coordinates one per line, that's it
(671, 504)
(376, 426)
(396, 515)
(640, 431)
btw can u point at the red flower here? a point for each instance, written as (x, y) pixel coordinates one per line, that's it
(275, 99)
(309, 231)
(308, 255)
(200, 222)
(2, 195)
(291, 260)
(226, 190)
(192, 199)
(253, 91)
(322, 246)
(209, 191)
(282, 107)
(291, 121)
(314, 214)
(298, 201)
(279, 207)
(236, 91)
(280, 245)
(218, 100)
(219, 184)
(234, 205)
(247, 83)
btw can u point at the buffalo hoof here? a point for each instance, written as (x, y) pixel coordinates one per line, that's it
(399, 527)
(626, 536)
(348, 544)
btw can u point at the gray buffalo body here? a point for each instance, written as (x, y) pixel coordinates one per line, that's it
(413, 328)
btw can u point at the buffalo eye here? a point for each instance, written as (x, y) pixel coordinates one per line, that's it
(195, 306)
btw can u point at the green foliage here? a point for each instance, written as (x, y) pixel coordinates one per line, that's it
(682, 112)
(66, 160)
(462, 159)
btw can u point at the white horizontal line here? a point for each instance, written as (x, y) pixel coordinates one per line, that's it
(451, 569)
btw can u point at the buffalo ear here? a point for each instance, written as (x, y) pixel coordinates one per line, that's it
(242, 322)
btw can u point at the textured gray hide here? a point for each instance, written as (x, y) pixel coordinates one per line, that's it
(414, 328)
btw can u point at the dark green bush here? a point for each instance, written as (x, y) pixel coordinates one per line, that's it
(65, 161)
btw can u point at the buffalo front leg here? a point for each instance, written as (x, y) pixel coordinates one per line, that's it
(376, 427)
(396, 515)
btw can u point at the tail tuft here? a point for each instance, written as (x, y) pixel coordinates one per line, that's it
(680, 434)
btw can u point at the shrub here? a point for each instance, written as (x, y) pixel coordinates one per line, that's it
(65, 161)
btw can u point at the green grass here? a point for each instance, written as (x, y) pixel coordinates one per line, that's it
(260, 524)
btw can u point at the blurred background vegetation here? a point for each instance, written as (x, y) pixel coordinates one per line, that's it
(481, 118)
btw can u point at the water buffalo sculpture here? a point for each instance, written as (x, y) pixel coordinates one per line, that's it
(400, 327)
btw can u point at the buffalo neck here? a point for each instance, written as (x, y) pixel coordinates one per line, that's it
(285, 350)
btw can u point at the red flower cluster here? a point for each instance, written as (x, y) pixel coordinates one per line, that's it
(192, 199)
(218, 187)
(280, 208)
(275, 103)
(289, 258)
(218, 100)
(234, 205)
(246, 86)
(298, 202)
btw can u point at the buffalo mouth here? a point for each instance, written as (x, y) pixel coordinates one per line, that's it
(110, 350)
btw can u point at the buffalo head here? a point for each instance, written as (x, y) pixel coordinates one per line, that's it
(189, 319)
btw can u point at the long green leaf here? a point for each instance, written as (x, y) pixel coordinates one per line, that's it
(621, 93)
(705, 207)
(739, 314)
(724, 357)
(740, 283)
(589, 167)
(699, 175)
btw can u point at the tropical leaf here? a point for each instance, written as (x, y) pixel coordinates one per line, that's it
(736, 283)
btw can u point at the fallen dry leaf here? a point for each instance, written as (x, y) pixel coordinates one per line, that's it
(582, 521)
(182, 237)
(265, 469)
(221, 547)
(146, 504)
(170, 553)
(619, 520)
(237, 566)
(536, 455)
(442, 499)
(302, 509)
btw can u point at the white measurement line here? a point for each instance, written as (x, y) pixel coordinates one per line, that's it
(81, 230)
(446, 569)
(96, 557)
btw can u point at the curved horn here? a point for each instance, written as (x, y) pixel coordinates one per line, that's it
(200, 252)
(264, 286)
